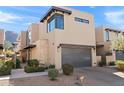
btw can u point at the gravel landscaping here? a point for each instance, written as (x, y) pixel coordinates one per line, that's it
(44, 81)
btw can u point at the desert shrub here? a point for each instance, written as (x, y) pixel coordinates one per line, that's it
(67, 69)
(4, 70)
(39, 69)
(120, 64)
(18, 64)
(33, 63)
(1, 64)
(30, 69)
(111, 63)
(102, 63)
(53, 74)
(10, 64)
(51, 66)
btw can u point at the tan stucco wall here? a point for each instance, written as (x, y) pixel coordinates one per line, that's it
(99, 34)
(40, 52)
(34, 29)
(111, 58)
(2, 36)
(98, 58)
(113, 35)
(23, 39)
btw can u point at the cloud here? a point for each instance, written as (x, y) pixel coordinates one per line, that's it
(92, 6)
(8, 17)
(116, 17)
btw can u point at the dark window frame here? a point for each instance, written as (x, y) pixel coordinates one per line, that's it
(77, 19)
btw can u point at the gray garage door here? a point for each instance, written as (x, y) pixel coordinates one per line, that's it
(78, 57)
(119, 55)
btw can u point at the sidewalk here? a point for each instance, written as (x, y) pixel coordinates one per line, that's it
(19, 73)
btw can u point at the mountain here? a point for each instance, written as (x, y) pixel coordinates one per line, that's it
(11, 36)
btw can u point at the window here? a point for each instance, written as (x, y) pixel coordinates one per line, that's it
(56, 21)
(106, 36)
(59, 22)
(51, 25)
(81, 20)
(29, 35)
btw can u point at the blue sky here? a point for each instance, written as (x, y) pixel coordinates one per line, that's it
(15, 18)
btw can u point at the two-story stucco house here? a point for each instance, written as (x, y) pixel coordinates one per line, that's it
(104, 38)
(21, 43)
(63, 35)
(2, 39)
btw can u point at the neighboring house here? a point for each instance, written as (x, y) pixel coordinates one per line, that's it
(21, 44)
(63, 36)
(2, 39)
(33, 42)
(104, 37)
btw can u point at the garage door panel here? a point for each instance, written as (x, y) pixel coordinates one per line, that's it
(78, 57)
(119, 55)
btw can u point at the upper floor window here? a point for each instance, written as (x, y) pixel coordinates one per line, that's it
(106, 36)
(56, 21)
(81, 20)
(29, 36)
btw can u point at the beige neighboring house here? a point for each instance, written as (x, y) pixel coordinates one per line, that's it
(63, 35)
(104, 38)
(21, 44)
(2, 39)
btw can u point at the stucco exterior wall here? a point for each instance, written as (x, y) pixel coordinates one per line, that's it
(23, 39)
(98, 58)
(2, 36)
(34, 29)
(40, 52)
(99, 34)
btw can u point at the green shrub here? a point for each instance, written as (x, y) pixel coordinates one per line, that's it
(4, 70)
(18, 64)
(30, 69)
(102, 63)
(111, 63)
(33, 63)
(10, 64)
(53, 74)
(120, 64)
(39, 69)
(51, 66)
(67, 69)
(1, 64)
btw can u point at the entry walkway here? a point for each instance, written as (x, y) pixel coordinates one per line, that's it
(19, 73)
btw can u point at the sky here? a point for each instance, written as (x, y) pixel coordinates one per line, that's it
(18, 18)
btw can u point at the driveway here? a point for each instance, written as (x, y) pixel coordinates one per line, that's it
(94, 76)
(101, 76)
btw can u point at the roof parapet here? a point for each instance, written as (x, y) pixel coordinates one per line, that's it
(53, 8)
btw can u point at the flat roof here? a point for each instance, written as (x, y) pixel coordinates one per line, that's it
(53, 8)
(114, 30)
(30, 46)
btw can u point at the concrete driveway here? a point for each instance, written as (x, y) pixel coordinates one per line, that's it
(100, 76)
(94, 76)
